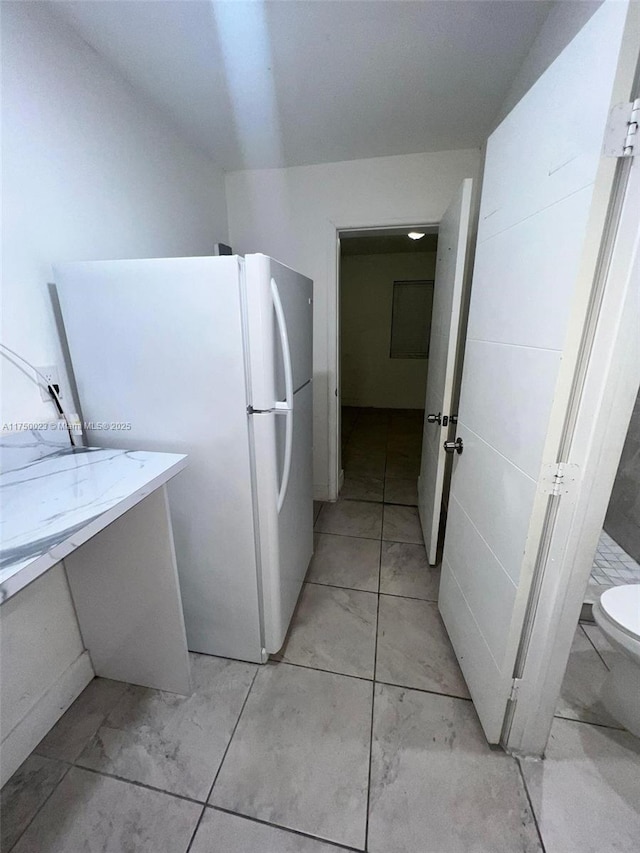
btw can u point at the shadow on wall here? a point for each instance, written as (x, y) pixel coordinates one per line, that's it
(623, 515)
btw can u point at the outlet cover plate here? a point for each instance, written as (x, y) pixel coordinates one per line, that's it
(50, 373)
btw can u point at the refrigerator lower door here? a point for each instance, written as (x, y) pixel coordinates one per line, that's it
(285, 537)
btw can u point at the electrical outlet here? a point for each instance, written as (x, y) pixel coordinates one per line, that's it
(49, 373)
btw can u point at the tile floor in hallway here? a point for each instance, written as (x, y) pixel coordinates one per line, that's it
(361, 736)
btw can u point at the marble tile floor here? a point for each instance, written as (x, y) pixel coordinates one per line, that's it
(612, 566)
(360, 736)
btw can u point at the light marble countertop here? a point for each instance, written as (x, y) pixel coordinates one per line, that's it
(54, 497)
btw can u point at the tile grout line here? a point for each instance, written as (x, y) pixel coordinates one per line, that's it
(597, 651)
(74, 764)
(375, 665)
(530, 801)
(372, 592)
(222, 760)
(337, 586)
(43, 803)
(345, 535)
(373, 704)
(371, 501)
(134, 782)
(127, 780)
(329, 671)
(590, 723)
(286, 829)
(233, 733)
(103, 721)
(368, 538)
(386, 683)
(70, 765)
(424, 690)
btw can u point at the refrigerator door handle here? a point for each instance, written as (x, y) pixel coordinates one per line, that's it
(286, 407)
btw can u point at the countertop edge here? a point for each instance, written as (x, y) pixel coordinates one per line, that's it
(35, 569)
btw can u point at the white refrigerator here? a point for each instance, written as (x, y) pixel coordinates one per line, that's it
(211, 357)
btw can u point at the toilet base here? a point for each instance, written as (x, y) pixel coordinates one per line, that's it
(621, 694)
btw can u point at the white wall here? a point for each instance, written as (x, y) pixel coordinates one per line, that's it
(293, 214)
(369, 376)
(43, 665)
(89, 171)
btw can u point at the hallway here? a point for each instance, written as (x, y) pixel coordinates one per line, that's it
(368, 611)
(361, 736)
(381, 455)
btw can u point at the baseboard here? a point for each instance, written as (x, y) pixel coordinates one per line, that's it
(321, 492)
(27, 734)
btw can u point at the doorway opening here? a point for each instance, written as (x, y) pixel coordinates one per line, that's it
(386, 284)
(617, 558)
(588, 678)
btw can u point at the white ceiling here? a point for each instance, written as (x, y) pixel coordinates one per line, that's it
(294, 82)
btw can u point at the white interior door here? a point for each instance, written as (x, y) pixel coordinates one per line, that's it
(538, 205)
(453, 238)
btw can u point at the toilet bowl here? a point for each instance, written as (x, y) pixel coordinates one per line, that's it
(618, 615)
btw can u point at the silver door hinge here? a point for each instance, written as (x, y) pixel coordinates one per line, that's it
(559, 479)
(515, 689)
(622, 133)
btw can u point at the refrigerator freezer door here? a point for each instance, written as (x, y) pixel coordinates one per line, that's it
(295, 291)
(159, 344)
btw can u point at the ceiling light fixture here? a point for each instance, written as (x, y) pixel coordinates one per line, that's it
(415, 235)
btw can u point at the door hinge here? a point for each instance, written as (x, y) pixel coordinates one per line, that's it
(622, 135)
(559, 479)
(515, 689)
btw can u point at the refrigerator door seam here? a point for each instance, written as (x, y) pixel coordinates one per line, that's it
(252, 458)
(287, 408)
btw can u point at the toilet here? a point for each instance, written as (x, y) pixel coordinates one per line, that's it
(618, 615)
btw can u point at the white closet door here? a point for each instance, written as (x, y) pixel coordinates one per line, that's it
(445, 323)
(537, 198)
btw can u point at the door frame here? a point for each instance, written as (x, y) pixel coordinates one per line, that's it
(334, 394)
(611, 383)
